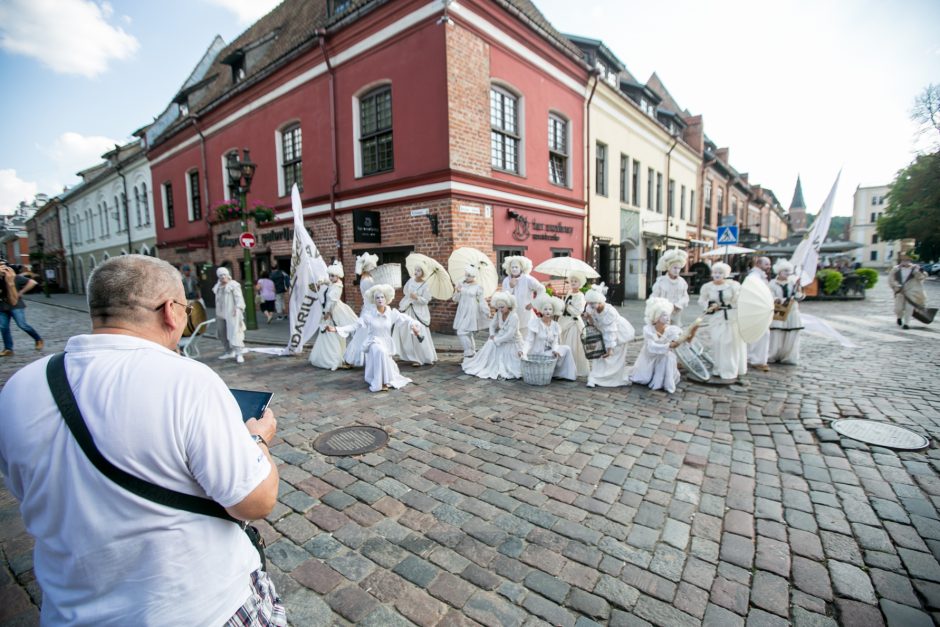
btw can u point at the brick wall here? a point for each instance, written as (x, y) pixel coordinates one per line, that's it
(468, 80)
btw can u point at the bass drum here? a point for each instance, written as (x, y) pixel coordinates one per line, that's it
(197, 317)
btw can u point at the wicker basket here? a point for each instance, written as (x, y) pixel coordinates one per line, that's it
(538, 369)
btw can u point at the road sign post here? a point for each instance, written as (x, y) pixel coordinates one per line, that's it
(247, 240)
(727, 235)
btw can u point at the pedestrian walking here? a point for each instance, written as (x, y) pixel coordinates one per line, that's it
(610, 370)
(13, 285)
(500, 357)
(230, 316)
(264, 287)
(907, 282)
(106, 555)
(381, 371)
(719, 297)
(281, 291)
(785, 333)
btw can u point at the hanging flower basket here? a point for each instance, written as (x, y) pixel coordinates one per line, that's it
(259, 213)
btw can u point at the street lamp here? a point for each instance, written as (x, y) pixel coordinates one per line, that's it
(41, 244)
(240, 173)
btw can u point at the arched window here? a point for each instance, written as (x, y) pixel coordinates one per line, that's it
(137, 205)
(146, 199)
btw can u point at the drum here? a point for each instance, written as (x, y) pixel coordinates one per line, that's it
(197, 317)
(698, 369)
(593, 342)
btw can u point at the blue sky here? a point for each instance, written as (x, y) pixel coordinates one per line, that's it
(791, 87)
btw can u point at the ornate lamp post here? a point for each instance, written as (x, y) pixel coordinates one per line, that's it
(240, 173)
(41, 245)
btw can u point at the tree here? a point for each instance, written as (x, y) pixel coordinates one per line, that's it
(926, 111)
(914, 207)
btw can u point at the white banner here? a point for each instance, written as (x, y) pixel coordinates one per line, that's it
(806, 256)
(308, 282)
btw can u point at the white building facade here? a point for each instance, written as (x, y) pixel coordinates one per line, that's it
(869, 203)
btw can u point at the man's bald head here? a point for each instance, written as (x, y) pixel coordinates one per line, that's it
(128, 287)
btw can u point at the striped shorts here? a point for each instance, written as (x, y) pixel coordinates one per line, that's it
(263, 608)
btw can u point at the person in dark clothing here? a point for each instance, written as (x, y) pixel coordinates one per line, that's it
(281, 285)
(14, 284)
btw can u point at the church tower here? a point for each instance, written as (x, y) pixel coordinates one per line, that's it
(797, 212)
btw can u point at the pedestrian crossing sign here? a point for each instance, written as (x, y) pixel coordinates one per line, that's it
(727, 235)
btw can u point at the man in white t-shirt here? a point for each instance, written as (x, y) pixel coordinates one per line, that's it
(103, 555)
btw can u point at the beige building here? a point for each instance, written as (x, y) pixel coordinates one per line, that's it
(642, 176)
(869, 203)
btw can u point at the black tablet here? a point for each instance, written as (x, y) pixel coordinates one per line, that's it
(251, 402)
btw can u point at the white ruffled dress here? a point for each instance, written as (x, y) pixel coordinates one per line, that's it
(656, 365)
(499, 357)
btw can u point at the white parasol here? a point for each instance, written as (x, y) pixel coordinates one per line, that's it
(434, 275)
(727, 250)
(486, 271)
(389, 274)
(564, 266)
(755, 309)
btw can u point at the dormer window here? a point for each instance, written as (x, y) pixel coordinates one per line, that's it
(184, 109)
(238, 71)
(338, 6)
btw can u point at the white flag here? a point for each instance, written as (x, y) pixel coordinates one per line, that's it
(308, 282)
(806, 256)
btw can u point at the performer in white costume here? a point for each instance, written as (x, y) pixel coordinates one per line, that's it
(671, 286)
(758, 352)
(785, 334)
(499, 357)
(522, 285)
(365, 264)
(327, 351)
(907, 282)
(719, 298)
(609, 371)
(473, 313)
(381, 369)
(543, 334)
(656, 365)
(230, 315)
(572, 324)
(417, 295)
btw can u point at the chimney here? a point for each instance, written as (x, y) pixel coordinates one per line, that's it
(694, 133)
(723, 155)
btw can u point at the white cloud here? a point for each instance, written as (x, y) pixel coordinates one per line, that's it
(68, 36)
(71, 152)
(247, 11)
(13, 189)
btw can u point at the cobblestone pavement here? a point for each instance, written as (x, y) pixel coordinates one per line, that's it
(504, 504)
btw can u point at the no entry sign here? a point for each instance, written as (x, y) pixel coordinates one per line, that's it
(247, 240)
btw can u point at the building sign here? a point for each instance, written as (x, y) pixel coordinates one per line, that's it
(367, 227)
(550, 231)
(225, 240)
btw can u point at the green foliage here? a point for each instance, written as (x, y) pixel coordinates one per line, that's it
(830, 280)
(914, 206)
(260, 213)
(837, 226)
(870, 276)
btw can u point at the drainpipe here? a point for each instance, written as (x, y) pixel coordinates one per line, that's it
(205, 174)
(587, 167)
(127, 217)
(68, 220)
(334, 184)
(675, 140)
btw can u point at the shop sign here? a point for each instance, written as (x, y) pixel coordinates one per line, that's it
(367, 227)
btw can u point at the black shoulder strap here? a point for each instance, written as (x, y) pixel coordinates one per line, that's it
(65, 399)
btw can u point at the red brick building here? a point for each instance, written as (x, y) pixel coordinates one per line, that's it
(411, 126)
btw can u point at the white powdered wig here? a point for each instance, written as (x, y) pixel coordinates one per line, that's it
(387, 290)
(597, 294)
(471, 271)
(674, 256)
(415, 266)
(577, 279)
(366, 262)
(543, 301)
(783, 264)
(220, 272)
(558, 306)
(656, 308)
(524, 263)
(503, 298)
(722, 268)
(335, 269)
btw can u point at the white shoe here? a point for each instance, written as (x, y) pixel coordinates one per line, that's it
(228, 355)
(239, 358)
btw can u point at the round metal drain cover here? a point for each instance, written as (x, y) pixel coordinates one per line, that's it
(351, 441)
(881, 434)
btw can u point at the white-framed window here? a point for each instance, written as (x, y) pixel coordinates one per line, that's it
(682, 202)
(373, 131)
(505, 130)
(558, 150)
(288, 142)
(226, 190)
(137, 205)
(193, 196)
(600, 169)
(146, 200)
(166, 192)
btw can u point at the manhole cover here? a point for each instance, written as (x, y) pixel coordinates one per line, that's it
(881, 434)
(350, 441)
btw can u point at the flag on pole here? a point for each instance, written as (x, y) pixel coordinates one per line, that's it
(806, 256)
(308, 282)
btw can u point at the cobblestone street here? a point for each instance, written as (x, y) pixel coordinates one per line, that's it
(500, 503)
